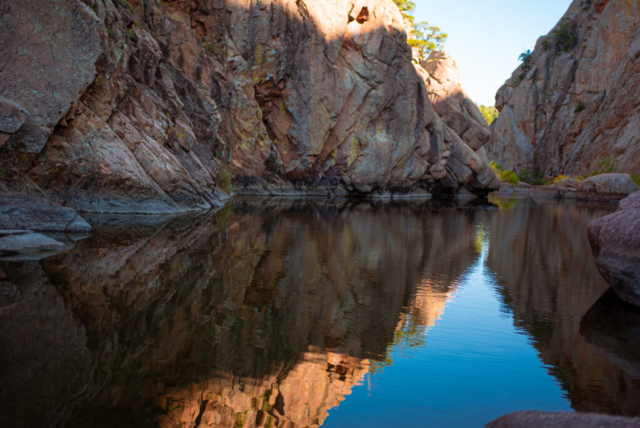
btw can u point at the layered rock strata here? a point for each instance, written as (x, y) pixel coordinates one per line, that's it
(147, 106)
(615, 241)
(574, 102)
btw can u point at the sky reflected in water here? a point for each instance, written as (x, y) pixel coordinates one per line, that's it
(471, 366)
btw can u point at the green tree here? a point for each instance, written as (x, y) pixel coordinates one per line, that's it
(407, 8)
(490, 113)
(426, 38)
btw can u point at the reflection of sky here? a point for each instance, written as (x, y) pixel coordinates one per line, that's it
(474, 367)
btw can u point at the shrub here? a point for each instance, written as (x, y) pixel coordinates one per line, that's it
(566, 38)
(489, 113)
(605, 166)
(525, 58)
(559, 178)
(224, 179)
(580, 108)
(505, 175)
(531, 176)
(636, 179)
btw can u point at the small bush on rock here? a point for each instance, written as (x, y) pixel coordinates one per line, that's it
(505, 175)
(224, 179)
(566, 38)
(531, 176)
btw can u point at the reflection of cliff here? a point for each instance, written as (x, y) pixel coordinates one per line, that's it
(549, 286)
(246, 317)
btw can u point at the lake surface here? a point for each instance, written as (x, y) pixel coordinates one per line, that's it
(296, 314)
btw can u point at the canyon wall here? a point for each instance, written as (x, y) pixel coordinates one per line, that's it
(148, 106)
(575, 101)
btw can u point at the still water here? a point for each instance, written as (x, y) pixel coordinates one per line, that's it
(296, 314)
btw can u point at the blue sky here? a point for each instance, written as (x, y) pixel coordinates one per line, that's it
(486, 37)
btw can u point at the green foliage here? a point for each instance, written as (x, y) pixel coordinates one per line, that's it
(531, 176)
(224, 179)
(525, 59)
(406, 7)
(490, 113)
(605, 166)
(426, 39)
(559, 178)
(505, 175)
(580, 108)
(634, 177)
(566, 38)
(353, 154)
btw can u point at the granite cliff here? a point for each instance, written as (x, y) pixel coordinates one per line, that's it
(574, 101)
(148, 106)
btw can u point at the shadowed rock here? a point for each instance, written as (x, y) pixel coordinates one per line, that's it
(32, 213)
(615, 242)
(316, 97)
(562, 420)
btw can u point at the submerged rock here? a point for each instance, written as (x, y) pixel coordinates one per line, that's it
(615, 242)
(562, 420)
(572, 104)
(162, 106)
(31, 213)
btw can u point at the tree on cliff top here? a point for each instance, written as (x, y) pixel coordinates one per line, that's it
(424, 38)
(490, 113)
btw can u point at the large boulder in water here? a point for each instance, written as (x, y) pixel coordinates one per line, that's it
(609, 184)
(562, 420)
(615, 242)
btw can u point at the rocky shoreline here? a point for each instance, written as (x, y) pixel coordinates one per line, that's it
(600, 188)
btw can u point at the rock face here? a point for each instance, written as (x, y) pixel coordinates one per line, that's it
(575, 101)
(464, 123)
(147, 106)
(615, 241)
(562, 420)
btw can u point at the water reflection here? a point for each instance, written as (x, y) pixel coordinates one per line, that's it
(272, 313)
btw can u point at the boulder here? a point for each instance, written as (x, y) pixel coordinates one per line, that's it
(30, 213)
(568, 182)
(22, 242)
(615, 242)
(609, 184)
(562, 420)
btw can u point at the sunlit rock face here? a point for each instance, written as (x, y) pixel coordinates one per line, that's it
(549, 289)
(577, 102)
(463, 122)
(143, 106)
(263, 318)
